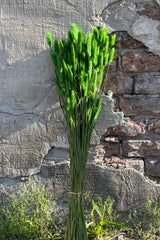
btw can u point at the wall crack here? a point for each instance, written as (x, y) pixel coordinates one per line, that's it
(109, 5)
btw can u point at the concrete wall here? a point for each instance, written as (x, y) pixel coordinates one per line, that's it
(33, 136)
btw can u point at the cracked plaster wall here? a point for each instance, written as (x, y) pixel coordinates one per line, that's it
(32, 130)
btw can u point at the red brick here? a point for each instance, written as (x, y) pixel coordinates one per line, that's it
(152, 167)
(108, 148)
(136, 105)
(119, 84)
(141, 148)
(124, 40)
(140, 62)
(127, 129)
(111, 148)
(150, 10)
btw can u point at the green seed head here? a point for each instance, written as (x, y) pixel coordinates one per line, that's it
(106, 30)
(74, 30)
(100, 62)
(86, 84)
(90, 69)
(53, 57)
(106, 59)
(113, 40)
(111, 55)
(100, 76)
(73, 99)
(82, 80)
(101, 35)
(49, 39)
(73, 53)
(95, 33)
(56, 46)
(94, 48)
(62, 47)
(80, 41)
(89, 42)
(95, 82)
(106, 44)
(70, 37)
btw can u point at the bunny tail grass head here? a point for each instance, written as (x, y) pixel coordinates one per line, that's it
(74, 30)
(113, 39)
(111, 55)
(49, 39)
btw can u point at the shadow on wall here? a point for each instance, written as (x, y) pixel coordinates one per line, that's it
(30, 115)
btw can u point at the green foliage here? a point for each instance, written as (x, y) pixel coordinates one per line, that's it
(30, 215)
(27, 215)
(103, 220)
(146, 223)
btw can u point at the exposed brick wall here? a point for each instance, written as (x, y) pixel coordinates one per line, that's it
(151, 10)
(135, 81)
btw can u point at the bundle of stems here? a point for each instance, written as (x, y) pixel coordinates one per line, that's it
(79, 63)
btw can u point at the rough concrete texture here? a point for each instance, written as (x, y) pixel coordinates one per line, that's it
(33, 136)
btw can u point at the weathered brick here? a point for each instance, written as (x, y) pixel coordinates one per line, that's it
(150, 10)
(154, 125)
(147, 84)
(112, 67)
(140, 62)
(113, 160)
(111, 148)
(119, 84)
(141, 148)
(140, 105)
(152, 167)
(137, 164)
(124, 40)
(127, 129)
(100, 152)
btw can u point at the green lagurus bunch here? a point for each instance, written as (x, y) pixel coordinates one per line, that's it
(79, 63)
